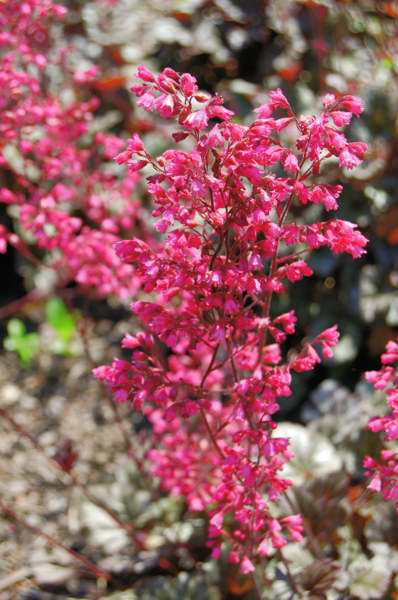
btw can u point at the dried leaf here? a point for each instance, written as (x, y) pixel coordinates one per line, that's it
(318, 578)
(320, 504)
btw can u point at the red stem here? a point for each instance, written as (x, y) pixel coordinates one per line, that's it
(202, 412)
(90, 566)
(73, 479)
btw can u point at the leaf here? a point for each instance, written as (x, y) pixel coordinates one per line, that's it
(26, 345)
(238, 584)
(61, 319)
(291, 72)
(16, 328)
(109, 83)
(185, 586)
(101, 530)
(9, 344)
(318, 578)
(386, 226)
(390, 9)
(314, 455)
(65, 455)
(384, 525)
(369, 578)
(320, 503)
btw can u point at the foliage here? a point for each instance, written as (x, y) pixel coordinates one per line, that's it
(63, 322)
(18, 340)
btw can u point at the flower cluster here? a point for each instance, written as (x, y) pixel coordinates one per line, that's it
(67, 202)
(384, 474)
(209, 369)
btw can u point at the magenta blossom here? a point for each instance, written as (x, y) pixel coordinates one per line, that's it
(208, 370)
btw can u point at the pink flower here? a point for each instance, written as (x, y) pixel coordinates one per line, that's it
(209, 368)
(328, 339)
(306, 360)
(145, 74)
(165, 105)
(247, 566)
(196, 120)
(352, 104)
(384, 474)
(135, 144)
(348, 159)
(3, 239)
(341, 118)
(87, 75)
(188, 84)
(278, 99)
(290, 163)
(391, 354)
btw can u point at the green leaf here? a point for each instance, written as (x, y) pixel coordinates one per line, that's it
(16, 328)
(387, 62)
(9, 344)
(26, 345)
(61, 319)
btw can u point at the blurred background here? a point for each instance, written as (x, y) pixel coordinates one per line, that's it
(240, 49)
